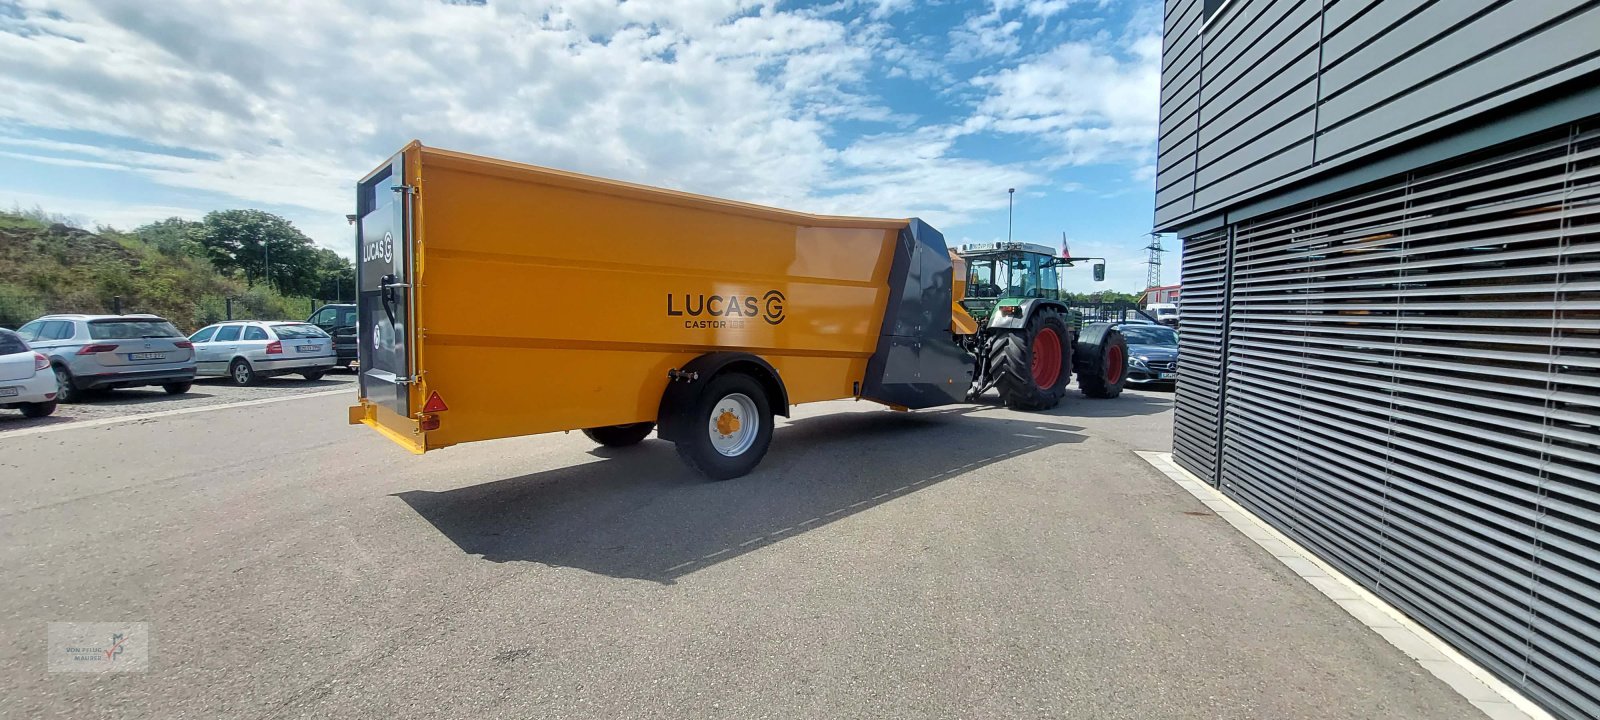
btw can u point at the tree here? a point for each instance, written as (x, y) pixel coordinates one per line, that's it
(263, 247)
(336, 276)
(173, 236)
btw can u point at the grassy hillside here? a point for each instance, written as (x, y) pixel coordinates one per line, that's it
(50, 267)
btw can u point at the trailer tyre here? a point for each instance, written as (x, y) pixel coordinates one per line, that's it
(1105, 365)
(1031, 366)
(730, 427)
(620, 435)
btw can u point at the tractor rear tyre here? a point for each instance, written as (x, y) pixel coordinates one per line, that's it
(1105, 365)
(730, 427)
(620, 435)
(1031, 366)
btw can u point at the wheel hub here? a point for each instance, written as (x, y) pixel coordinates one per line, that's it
(733, 425)
(1046, 364)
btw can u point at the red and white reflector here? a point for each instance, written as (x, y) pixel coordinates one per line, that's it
(434, 404)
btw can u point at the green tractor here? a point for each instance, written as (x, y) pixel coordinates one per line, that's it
(1027, 341)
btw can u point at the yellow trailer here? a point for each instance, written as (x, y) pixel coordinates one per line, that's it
(499, 299)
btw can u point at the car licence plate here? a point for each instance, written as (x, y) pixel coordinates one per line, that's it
(8, 392)
(307, 348)
(1166, 376)
(146, 356)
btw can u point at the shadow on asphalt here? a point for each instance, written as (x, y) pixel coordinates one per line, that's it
(639, 513)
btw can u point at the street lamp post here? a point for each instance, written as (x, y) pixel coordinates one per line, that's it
(1010, 194)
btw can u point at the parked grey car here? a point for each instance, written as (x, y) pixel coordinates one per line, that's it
(1152, 354)
(101, 352)
(246, 351)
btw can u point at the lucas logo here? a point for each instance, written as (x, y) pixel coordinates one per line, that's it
(768, 307)
(375, 249)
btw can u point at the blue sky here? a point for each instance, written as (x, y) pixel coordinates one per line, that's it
(122, 113)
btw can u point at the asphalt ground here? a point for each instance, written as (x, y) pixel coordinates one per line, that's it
(206, 392)
(971, 562)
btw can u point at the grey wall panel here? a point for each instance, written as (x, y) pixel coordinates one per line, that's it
(1184, 83)
(1179, 111)
(1286, 96)
(1406, 379)
(1450, 55)
(1493, 75)
(1181, 185)
(1259, 50)
(1218, 162)
(1262, 91)
(1210, 190)
(1182, 123)
(1338, 13)
(1390, 71)
(1379, 36)
(1181, 29)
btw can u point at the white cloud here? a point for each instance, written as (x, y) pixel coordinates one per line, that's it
(985, 35)
(287, 107)
(1097, 106)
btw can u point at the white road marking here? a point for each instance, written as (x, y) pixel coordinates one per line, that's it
(79, 425)
(1480, 687)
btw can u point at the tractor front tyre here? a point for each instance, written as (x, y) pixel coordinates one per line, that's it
(620, 435)
(1031, 366)
(1105, 365)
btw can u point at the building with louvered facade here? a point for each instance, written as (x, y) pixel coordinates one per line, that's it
(1390, 319)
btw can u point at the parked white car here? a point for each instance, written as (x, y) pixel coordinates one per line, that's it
(247, 351)
(26, 381)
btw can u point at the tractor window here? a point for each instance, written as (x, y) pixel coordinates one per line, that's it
(1032, 276)
(981, 279)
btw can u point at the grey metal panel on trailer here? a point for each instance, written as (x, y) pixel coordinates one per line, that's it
(1406, 379)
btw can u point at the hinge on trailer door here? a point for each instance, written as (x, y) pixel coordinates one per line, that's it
(407, 189)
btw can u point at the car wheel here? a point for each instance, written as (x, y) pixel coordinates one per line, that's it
(38, 410)
(65, 391)
(242, 374)
(177, 388)
(312, 376)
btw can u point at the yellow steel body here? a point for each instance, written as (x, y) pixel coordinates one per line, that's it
(543, 298)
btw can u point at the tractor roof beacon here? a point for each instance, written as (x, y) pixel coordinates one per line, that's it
(1025, 339)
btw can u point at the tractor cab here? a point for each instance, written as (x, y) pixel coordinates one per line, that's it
(1008, 271)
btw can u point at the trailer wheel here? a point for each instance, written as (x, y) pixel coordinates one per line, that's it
(1031, 366)
(1105, 368)
(620, 435)
(729, 427)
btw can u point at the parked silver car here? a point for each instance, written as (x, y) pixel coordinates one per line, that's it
(26, 382)
(246, 351)
(101, 352)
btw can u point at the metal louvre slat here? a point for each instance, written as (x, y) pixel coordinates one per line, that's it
(1406, 379)
(1201, 323)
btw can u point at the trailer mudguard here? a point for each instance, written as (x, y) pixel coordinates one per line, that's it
(917, 363)
(686, 384)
